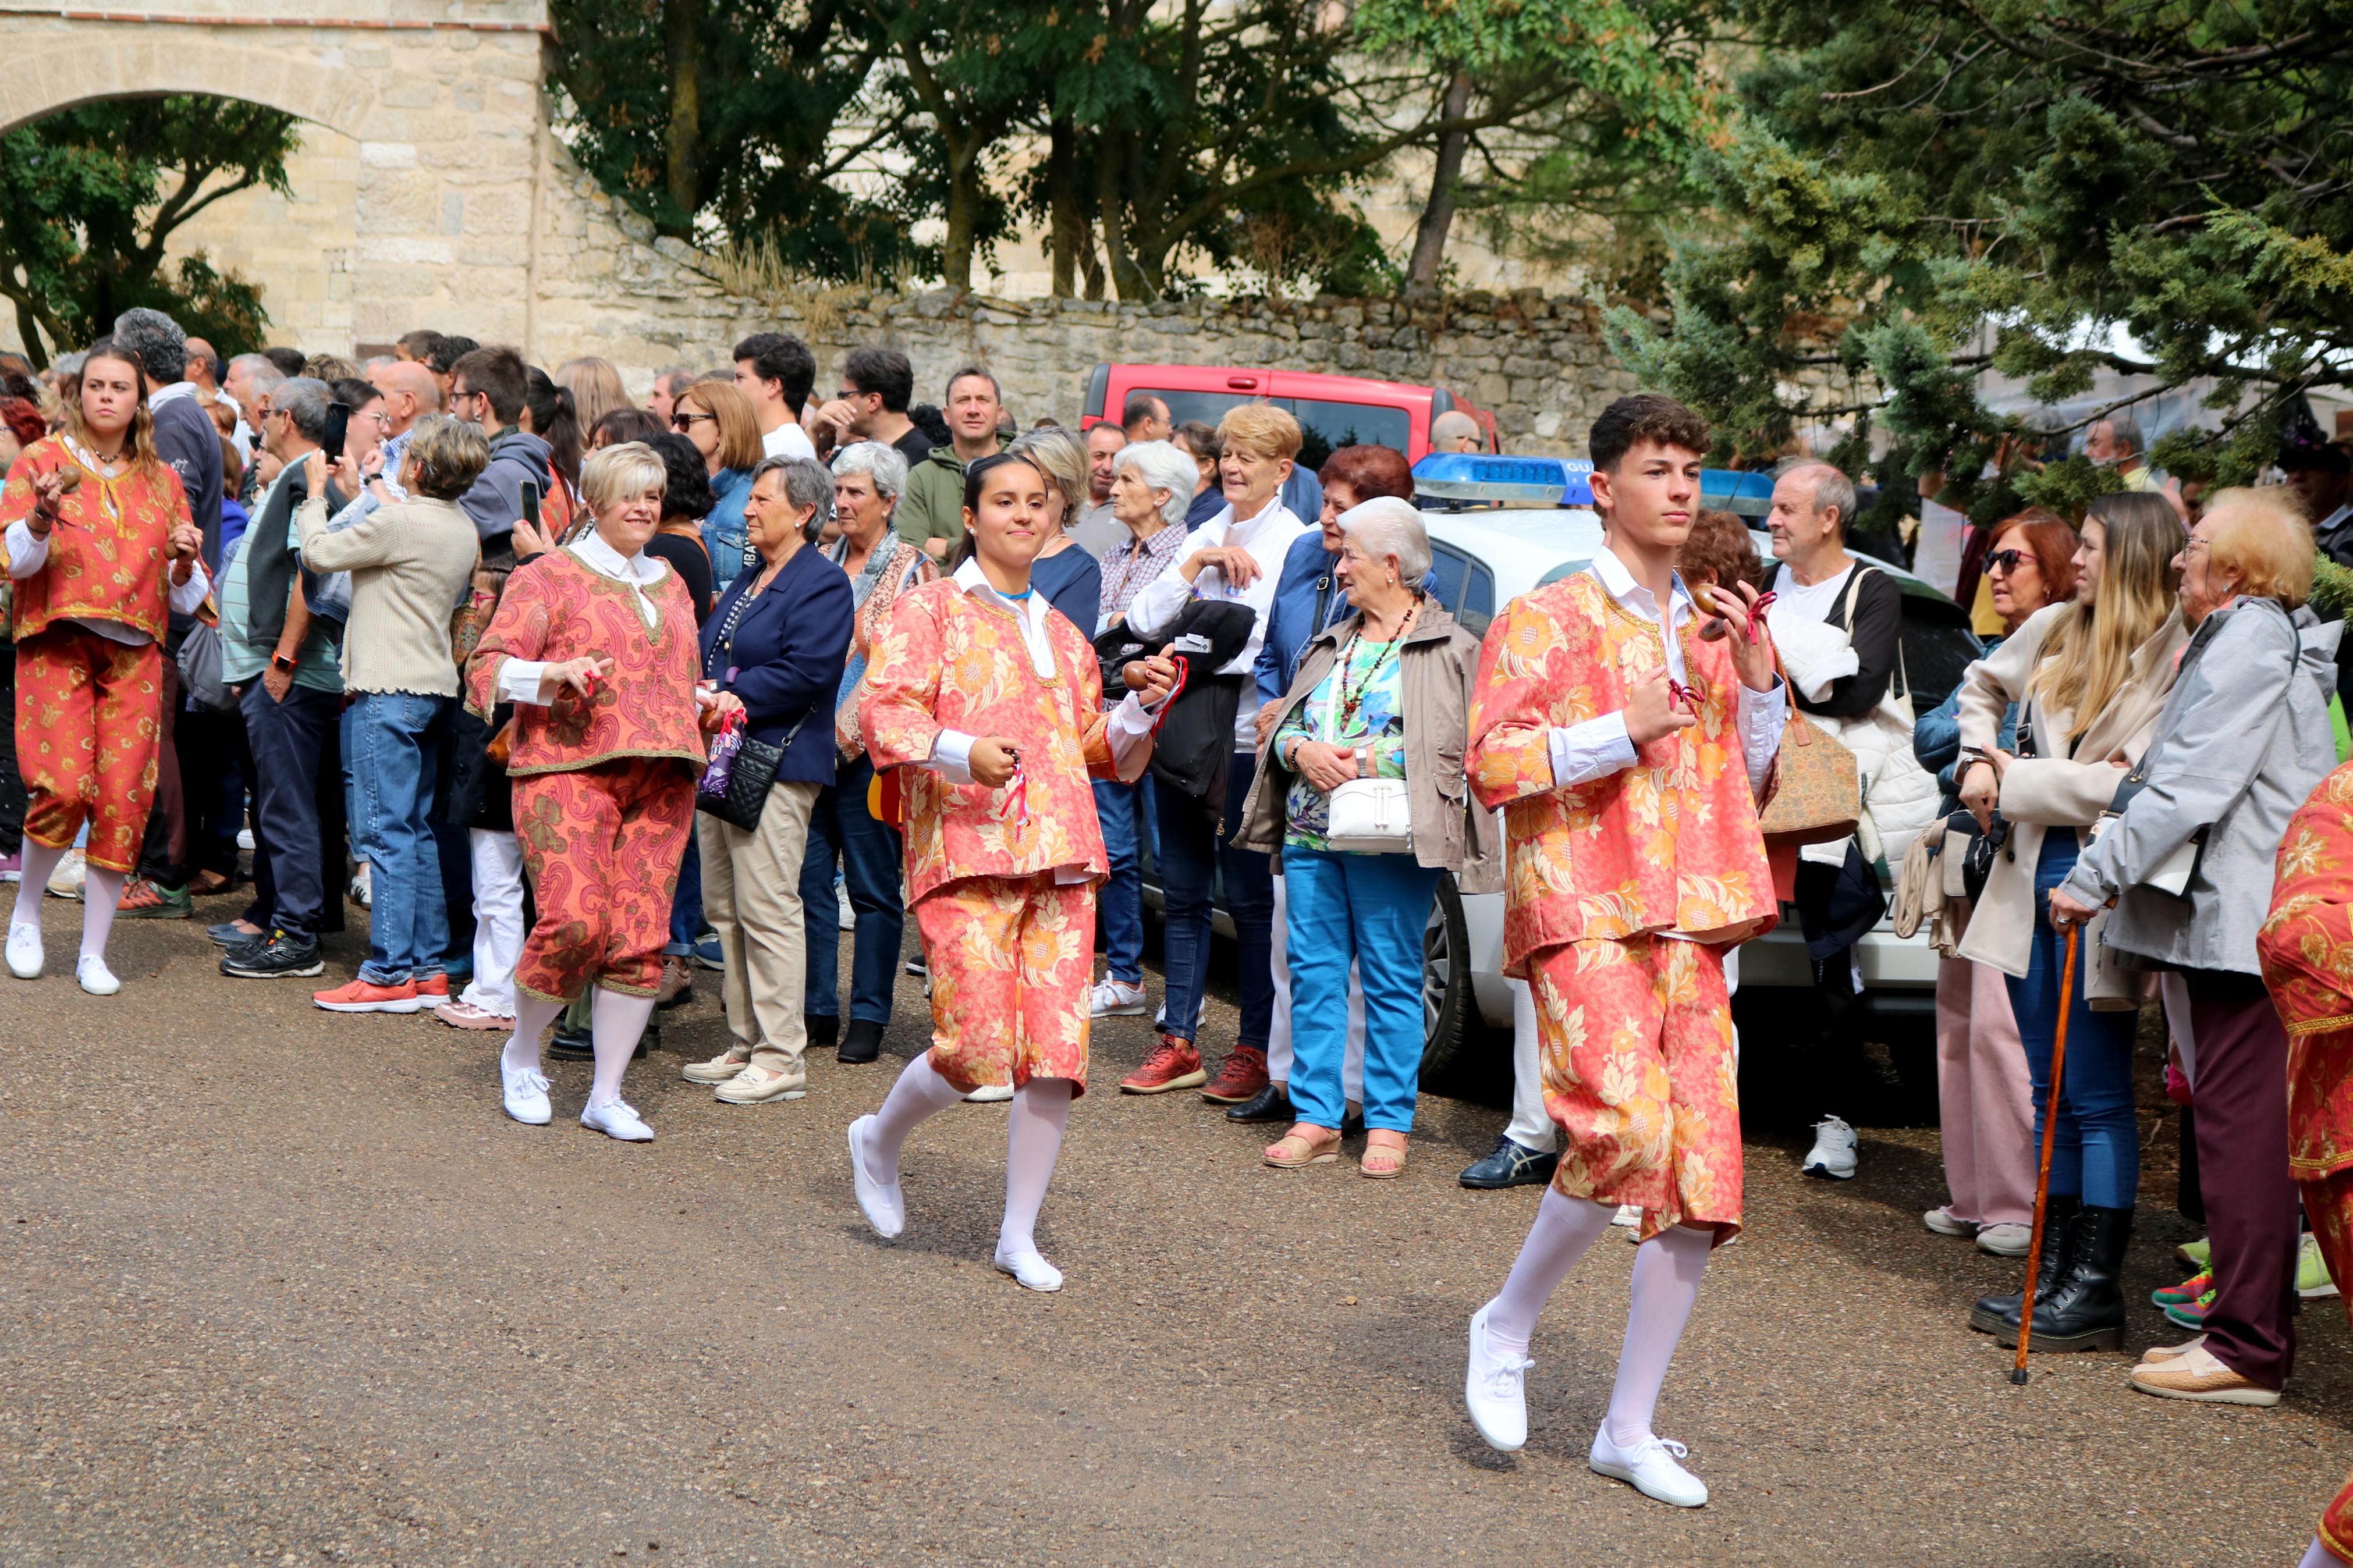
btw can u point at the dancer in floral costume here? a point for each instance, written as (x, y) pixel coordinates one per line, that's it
(984, 710)
(2306, 947)
(1628, 753)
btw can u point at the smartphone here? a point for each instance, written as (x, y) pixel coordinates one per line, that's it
(531, 504)
(339, 423)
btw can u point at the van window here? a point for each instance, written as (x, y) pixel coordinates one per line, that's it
(1325, 425)
(1208, 407)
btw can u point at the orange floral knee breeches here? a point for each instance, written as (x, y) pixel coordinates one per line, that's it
(89, 714)
(1011, 959)
(1636, 1040)
(603, 845)
(2329, 1203)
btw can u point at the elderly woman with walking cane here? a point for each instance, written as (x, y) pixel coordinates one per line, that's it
(2187, 857)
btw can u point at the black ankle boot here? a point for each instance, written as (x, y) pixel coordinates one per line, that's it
(824, 1028)
(862, 1043)
(2087, 1312)
(1999, 1314)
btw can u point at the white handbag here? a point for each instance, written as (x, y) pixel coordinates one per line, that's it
(1366, 816)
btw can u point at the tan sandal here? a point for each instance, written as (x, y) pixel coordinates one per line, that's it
(1392, 1165)
(1295, 1151)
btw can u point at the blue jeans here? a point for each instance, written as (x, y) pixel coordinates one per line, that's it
(1125, 812)
(355, 810)
(1370, 909)
(396, 739)
(1191, 856)
(686, 903)
(841, 829)
(2096, 1153)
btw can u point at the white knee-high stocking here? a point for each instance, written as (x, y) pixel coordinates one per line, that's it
(1667, 1271)
(920, 1092)
(40, 862)
(533, 1016)
(614, 1022)
(102, 895)
(1564, 1230)
(1033, 1142)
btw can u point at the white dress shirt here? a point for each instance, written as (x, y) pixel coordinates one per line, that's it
(1267, 537)
(29, 553)
(1599, 747)
(519, 678)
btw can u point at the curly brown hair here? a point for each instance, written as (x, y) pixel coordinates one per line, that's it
(1644, 416)
(1719, 551)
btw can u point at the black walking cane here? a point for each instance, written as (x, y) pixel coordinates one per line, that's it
(2043, 1170)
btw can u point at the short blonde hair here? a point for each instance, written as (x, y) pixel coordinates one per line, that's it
(2260, 534)
(444, 456)
(616, 473)
(1061, 457)
(740, 445)
(1260, 429)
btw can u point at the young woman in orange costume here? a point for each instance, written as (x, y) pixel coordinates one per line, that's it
(102, 550)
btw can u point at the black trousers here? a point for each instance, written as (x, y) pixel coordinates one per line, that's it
(298, 820)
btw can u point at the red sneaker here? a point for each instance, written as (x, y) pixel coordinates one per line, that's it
(367, 996)
(1241, 1079)
(432, 990)
(1172, 1064)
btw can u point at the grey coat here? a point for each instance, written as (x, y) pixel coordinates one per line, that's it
(2243, 739)
(1435, 669)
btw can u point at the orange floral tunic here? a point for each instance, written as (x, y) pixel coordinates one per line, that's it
(106, 553)
(2306, 947)
(1670, 844)
(558, 607)
(947, 660)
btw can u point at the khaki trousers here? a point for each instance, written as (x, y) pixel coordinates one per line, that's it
(752, 897)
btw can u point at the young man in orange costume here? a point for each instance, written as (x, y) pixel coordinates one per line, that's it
(1628, 751)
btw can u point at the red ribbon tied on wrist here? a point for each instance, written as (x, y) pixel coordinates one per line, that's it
(1687, 698)
(1016, 797)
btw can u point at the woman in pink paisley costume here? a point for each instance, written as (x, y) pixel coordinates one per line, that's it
(984, 711)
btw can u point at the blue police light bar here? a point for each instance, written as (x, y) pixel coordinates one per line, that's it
(1480, 476)
(1726, 489)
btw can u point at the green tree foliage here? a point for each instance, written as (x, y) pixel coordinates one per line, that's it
(1932, 188)
(95, 195)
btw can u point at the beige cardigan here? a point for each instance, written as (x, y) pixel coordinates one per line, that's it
(411, 562)
(2050, 789)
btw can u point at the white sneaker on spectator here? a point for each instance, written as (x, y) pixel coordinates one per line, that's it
(1495, 1387)
(362, 889)
(24, 954)
(1833, 1154)
(2006, 1240)
(1115, 999)
(245, 840)
(616, 1118)
(1944, 1222)
(91, 973)
(990, 1094)
(1651, 1466)
(525, 1095)
(65, 882)
(848, 917)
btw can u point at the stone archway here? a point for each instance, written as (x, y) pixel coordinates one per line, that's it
(443, 101)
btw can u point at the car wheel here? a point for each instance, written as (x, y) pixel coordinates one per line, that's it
(1446, 992)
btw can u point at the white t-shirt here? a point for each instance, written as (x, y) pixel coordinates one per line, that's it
(1267, 537)
(788, 440)
(1815, 603)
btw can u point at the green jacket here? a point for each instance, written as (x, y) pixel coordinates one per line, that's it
(933, 507)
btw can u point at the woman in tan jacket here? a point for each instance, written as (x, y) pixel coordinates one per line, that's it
(2091, 678)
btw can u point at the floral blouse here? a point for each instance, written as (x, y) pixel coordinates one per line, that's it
(2307, 948)
(1358, 703)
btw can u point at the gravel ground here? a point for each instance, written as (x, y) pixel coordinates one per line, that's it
(282, 1287)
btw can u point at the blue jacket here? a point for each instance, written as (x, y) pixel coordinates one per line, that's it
(1292, 618)
(787, 657)
(723, 531)
(1937, 737)
(1072, 583)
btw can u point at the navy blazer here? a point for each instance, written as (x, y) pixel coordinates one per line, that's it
(1291, 619)
(787, 657)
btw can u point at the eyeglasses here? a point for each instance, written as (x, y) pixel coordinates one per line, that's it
(2007, 561)
(686, 422)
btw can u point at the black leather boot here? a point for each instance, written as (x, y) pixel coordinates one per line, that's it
(1999, 1314)
(2087, 1312)
(824, 1029)
(862, 1043)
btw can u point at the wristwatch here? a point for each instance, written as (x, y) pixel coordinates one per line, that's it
(1363, 753)
(283, 665)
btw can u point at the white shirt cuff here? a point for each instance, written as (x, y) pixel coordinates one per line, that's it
(519, 681)
(27, 554)
(1762, 716)
(1129, 724)
(188, 597)
(952, 756)
(1593, 750)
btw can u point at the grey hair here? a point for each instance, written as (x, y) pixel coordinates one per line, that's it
(1163, 466)
(157, 340)
(1832, 488)
(808, 482)
(885, 463)
(687, 375)
(2122, 428)
(1061, 456)
(304, 400)
(267, 377)
(1385, 525)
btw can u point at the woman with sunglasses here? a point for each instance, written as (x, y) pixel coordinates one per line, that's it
(721, 422)
(2090, 677)
(1982, 1091)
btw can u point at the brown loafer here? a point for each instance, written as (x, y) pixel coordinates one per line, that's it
(2199, 1374)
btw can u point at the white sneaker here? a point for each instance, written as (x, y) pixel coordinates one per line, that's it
(362, 889)
(1944, 1222)
(1650, 1467)
(245, 840)
(1628, 1215)
(615, 1119)
(2006, 1240)
(885, 1211)
(1029, 1270)
(526, 1093)
(990, 1094)
(91, 973)
(65, 882)
(849, 916)
(1833, 1154)
(1495, 1387)
(24, 954)
(1112, 999)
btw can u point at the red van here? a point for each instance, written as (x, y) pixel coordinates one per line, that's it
(1332, 410)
